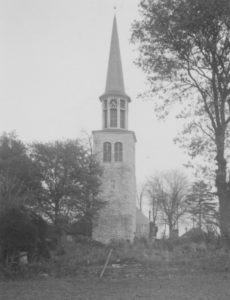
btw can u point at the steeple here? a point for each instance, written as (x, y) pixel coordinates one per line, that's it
(114, 100)
(114, 80)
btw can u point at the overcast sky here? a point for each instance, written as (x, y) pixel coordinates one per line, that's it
(53, 63)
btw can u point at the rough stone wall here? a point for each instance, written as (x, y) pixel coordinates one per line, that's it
(118, 219)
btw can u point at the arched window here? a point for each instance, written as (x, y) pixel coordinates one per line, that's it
(105, 113)
(122, 114)
(107, 152)
(118, 151)
(113, 113)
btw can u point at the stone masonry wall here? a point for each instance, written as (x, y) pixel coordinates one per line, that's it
(118, 219)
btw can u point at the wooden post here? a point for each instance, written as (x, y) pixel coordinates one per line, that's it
(106, 263)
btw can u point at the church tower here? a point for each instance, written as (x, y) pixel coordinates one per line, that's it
(114, 146)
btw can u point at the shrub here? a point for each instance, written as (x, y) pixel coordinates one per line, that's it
(21, 230)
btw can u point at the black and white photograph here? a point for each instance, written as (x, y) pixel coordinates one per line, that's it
(114, 149)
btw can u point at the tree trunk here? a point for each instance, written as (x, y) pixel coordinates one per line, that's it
(223, 191)
(170, 229)
(224, 202)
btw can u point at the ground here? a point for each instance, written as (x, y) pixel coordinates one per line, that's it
(121, 283)
(141, 270)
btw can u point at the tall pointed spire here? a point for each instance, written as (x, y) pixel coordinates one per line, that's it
(114, 80)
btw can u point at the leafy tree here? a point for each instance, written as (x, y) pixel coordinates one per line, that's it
(70, 182)
(185, 48)
(19, 178)
(90, 201)
(202, 206)
(167, 192)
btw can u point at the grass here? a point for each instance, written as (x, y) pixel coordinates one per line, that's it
(141, 270)
(189, 287)
(86, 258)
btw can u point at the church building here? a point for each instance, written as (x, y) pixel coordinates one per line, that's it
(114, 146)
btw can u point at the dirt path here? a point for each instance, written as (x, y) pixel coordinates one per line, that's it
(212, 286)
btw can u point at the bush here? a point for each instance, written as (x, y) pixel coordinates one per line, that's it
(22, 230)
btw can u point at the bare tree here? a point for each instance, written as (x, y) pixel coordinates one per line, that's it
(151, 194)
(141, 194)
(167, 193)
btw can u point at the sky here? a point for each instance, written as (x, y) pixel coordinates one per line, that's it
(53, 64)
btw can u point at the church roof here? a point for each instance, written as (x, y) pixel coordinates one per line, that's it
(114, 80)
